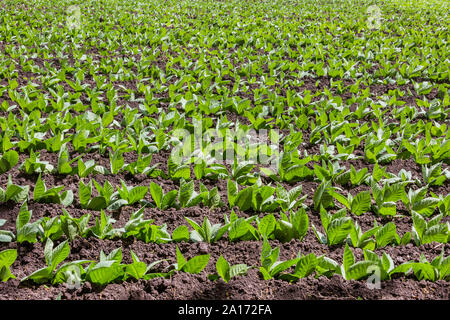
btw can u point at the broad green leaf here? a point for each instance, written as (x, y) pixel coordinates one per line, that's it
(59, 254)
(181, 233)
(386, 234)
(196, 264)
(223, 268)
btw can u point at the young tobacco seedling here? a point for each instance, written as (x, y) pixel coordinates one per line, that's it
(211, 198)
(206, 232)
(33, 165)
(363, 240)
(290, 168)
(53, 257)
(382, 266)
(415, 201)
(386, 197)
(241, 172)
(84, 169)
(337, 227)
(226, 272)
(136, 224)
(131, 195)
(162, 201)
(50, 228)
(86, 200)
(386, 235)
(257, 197)
(64, 164)
(139, 270)
(358, 177)
(176, 171)
(103, 228)
(322, 196)
(330, 172)
(117, 163)
(187, 196)
(240, 228)
(354, 270)
(289, 200)
(294, 227)
(306, 266)
(142, 166)
(74, 227)
(242, 199)
(434, 176)
(263, 197)
(444, 203)
(194, 265)
(7, 258)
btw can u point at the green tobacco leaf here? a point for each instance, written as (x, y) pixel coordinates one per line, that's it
(424, 271)
(136, 194)
(267, 225)
(181, 233)
(244, 199)
(386, 234)
(181, 261)
(8, 160)
(196, 264)
(232, 191)
(306, 265)
(7, 258)
(136, 269)
(39, 189)
(97, 203)
(300, 223)
(168, 199)
(84, 192)
(185, 192)
(40, 276)
(238, 270)
(361, 203)
(59, 254)
(24, 216)
(338, 230)
(105, 272)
